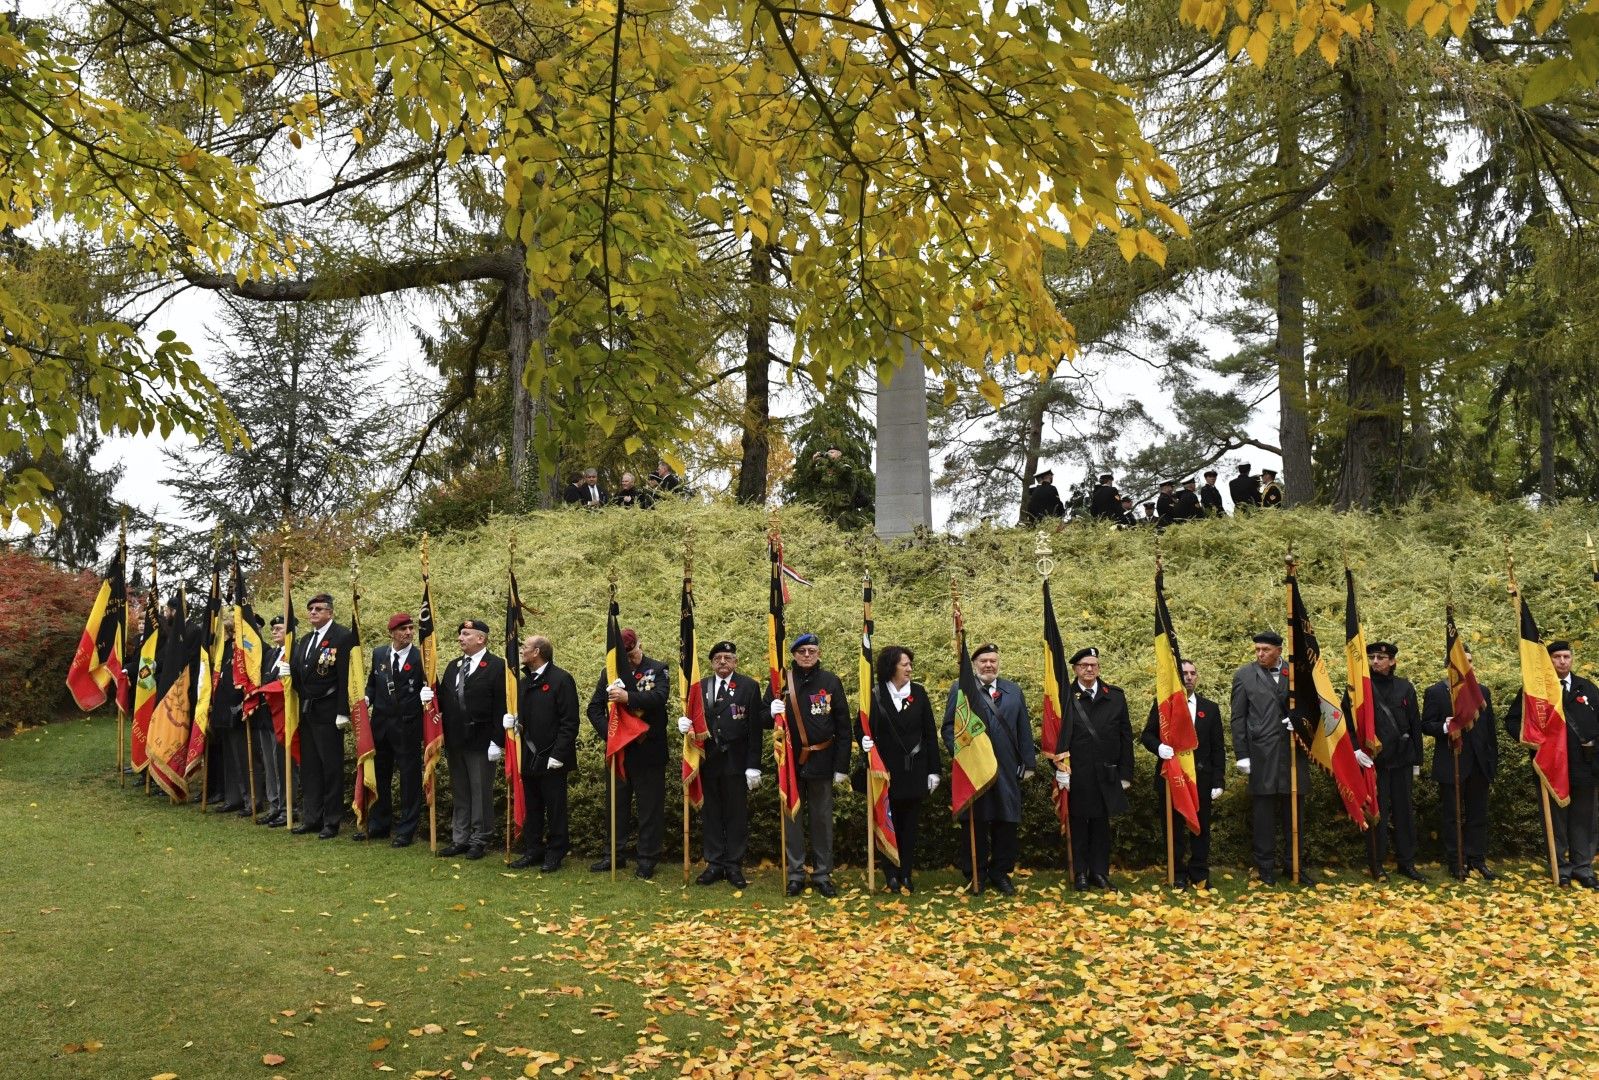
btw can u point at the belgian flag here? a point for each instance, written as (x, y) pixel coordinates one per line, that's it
(974, 767)
(1176, 724)
(1465, 696)
(212, 646)
(624, 725)
(1313, 707)
(693, 695)
(432, 720)
(1362, 705)
(877, 776)
(366, 775)
(777, 679)
(172, 713)
(1056, 735)
(97, 665)
(1543, 720)
(513, 738)
(144, 682)
(248, 648)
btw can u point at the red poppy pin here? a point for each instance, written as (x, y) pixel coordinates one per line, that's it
(545, 689)
(1199, 713)
(1582, 699)
(407, 667)
(909, 698)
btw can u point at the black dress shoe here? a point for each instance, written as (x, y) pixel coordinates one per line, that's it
(525, 861)
(245, 811)
(328, 833)
(908, 885)
(644, 871)
(605, 864)
(229, 808)
(1080, 882)
(1565, 881)
(1003, 884)
(305, 827)
(736, 878)
(1587, 881)
(1482, 868)
(1307, 878)
(270, 820)
(453, 850)
(1100, 881)
(710, 876)
(358, 837)
(402, 841)
(827, 889)
(475, 851)
(1412, 873)
(1182, 884)
(1267, 877)
(796, 887)
(551, 864)
(891, 883)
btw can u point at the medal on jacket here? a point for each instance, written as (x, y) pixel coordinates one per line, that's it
(645, 681)
(820, 704)
(326, 659)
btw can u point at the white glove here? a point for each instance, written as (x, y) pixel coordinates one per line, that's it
(867, 743)
(366, 701)
(1364, 759)
(495, 753)
(282, 668)
(684, 725)
(1288, 723)
(426, 695)
(778, 709)
(1166, 752)
(342, 721)
(1126, 784)
(840, 778)
(617, 684)
(1215, 793)
(1448, 720)
(553, 763)
(508, 722)
(1027, 774)
(932, 782)
(1415, 770)
(1063, 780)
(752, 778)
(1243, 765)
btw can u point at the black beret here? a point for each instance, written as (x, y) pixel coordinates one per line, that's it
(984, 648)
(277, 620)
(724, 647)
(1082, 654)
(1386, 648)
(475, 624)
(1268, 637)
(320, 598)
(1559, 645)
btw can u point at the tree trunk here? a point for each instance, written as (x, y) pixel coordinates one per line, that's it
(1546, 441)
(291, 430)
(1375, 383)
(756, 419)
(1412, 479)
(1293, 396)
(1035, 439)
(518, 340)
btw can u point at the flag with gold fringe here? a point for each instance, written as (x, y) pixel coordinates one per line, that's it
(777, 678)
(1465, 695)
(366, 773)
(1543, 718)
(1056, 733)
(173, 710)
(1318, 721)
(1176, 723)
(693, 695)
(97, 667)
(877, 776)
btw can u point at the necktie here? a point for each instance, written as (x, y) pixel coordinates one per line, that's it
(721, 690)
(993, 691)
(460, 678)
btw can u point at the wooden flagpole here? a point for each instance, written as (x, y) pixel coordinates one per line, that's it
(427, 676)
(688, 577)
(871, 808)
(510, 661)
(1460, 826)
(1543, 788)
(127, 608)
(288, 688)
(1293, 750)
(155, 599)
(611, 758)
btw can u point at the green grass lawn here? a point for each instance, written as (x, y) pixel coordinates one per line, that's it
(138, 939)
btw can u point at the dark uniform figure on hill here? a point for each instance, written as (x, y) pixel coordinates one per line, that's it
(1576, 824)
(1261, 733)
(321, 672)
(1043, 500)
(1185, 504)
(818, 722)
(906, 740)
(471, 706)
(1101, 750)
(1244, 489)
(1126, 518)
(641, 793)
(394, 688)
(731, 768)
(1479, 762)
(586, 491)
(1271, 495)
(1210, 496)
(546, 707)
(998, 811)
(1192, 852)
(1166, 504)
(1103, 501)
(1397, 763)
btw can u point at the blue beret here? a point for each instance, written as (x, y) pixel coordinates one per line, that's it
(804, 640)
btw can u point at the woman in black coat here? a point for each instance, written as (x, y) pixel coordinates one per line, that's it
(903, 733)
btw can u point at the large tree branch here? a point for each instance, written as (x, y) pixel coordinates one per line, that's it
(372, 281)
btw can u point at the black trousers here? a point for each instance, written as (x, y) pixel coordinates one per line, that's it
(216, 768)
(1396, 805)
(997, 848)
(321, 766)
(1269, 813)
(1576, 829)
(398, 745)
(1474, 811)
(726, 820)
(235, 767)
(267, 761)
(907, 825)
(1190, 852)
(640, 798)
(544, 831)
(1091, 845)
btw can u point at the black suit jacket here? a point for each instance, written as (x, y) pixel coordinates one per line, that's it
(547, 710)
(1210, 499)
(1101, 750)
(322, 677)
(1210, 760)
(1479, 747)
(1245, 491)
(227, 704)
(402, 709)
(1582, 729)
(1103, 502)
(907, 741)
(646, 697)
(736, 724)
(473, 723)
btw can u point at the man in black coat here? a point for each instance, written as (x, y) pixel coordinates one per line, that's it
(1398, 762)
(586, 491)
(471, 705)
(267, 755)
(393, 690)
(731, 766)
(1185, 504)
(320, 668)
(1271, 493)
(1192, 852)
(1166, 504)
(228, 731)
(818, 722)
(1479, 762)
(906, 742)
(997, 811)
(1101, 751)
(1043, 500)
(641, 779)
(1103, 502)
(1576, 824)
(546, 707)
(1244, 489)
(1261, 733)
(1210, 496)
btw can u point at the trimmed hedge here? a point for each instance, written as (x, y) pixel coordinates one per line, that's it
(1223, 581)
(42, 610)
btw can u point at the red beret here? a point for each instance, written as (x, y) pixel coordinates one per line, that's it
(629, 638)
(399, 619)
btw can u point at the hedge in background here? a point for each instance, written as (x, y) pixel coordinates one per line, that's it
(42, 611)
(1223, 581)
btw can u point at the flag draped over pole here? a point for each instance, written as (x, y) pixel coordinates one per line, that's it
(1317, 719)
(517, 811)
(777, 678)
(1176, 723)
(1543, 720)
(366, 772)
(144, 688)
(248, 648)
(1056, 734)
(689, 689)
(974, 767)
(279, 694)
(624, 725)
(1362, 705)
(97, 666)
(432, 719)
(1465, 695)
(877, 777)
(173, 711)
(210, 660)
